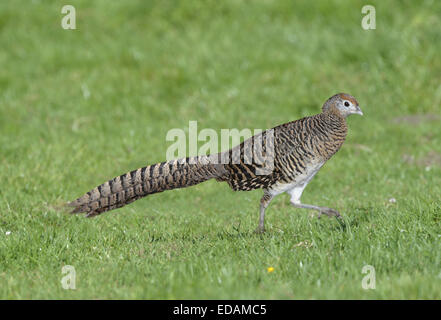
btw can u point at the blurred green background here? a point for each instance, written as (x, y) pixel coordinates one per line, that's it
(78, 107)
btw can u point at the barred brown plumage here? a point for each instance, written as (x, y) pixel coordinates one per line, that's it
(298, 149)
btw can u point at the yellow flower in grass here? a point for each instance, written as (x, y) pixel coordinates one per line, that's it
(270, 269)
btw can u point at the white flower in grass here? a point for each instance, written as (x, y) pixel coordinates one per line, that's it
(8, 233)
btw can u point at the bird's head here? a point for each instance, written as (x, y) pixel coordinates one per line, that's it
(343, 103)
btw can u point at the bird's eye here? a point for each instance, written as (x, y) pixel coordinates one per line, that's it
(346, 104)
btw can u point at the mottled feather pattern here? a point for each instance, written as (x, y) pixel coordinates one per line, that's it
(139, 183)
(295, 147)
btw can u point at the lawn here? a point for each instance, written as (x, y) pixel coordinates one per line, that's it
(78, 107)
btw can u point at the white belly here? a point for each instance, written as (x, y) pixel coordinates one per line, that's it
(300, 182)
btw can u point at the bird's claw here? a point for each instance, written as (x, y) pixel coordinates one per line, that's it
(329, 212)
(259, 230)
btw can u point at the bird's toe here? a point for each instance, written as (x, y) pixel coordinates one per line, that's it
(259, 230)
(329, 212)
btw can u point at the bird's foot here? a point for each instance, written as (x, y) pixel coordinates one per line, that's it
(329, 212)
(260, 230)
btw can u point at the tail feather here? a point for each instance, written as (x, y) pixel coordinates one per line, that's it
(139, 183)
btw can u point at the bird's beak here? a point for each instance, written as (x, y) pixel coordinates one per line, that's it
(359, 111)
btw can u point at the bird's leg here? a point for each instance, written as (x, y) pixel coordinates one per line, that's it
(296, 193)
(264, 202)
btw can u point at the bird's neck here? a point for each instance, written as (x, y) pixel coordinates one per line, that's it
(335, 122)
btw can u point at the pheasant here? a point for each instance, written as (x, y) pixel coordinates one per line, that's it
(296, 150)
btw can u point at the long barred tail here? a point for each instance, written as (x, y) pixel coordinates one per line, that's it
(139, 183)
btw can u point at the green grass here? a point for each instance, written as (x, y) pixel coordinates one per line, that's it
(78, 107)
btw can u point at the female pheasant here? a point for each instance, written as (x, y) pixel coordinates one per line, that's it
(296, 151)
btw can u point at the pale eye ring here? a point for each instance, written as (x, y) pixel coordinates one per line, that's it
(346, 104)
